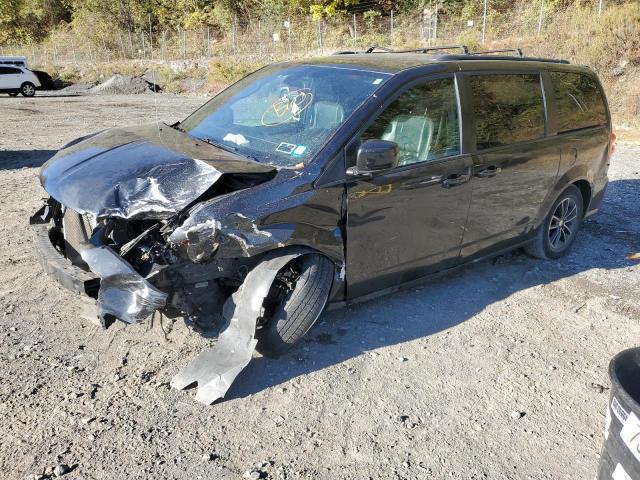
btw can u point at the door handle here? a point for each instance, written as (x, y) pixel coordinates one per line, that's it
(423, 182)
(490, 171)
(454, 179)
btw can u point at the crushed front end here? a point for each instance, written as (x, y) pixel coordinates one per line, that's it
(131, 269)
(115, 199)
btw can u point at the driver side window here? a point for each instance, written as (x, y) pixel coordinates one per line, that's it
(423, 121)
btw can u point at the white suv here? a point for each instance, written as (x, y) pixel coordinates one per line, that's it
(15, 80)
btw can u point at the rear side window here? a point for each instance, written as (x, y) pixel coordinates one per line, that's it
(579, 102)
(9, 70)
(508, 109)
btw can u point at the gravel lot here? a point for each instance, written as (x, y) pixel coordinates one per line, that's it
(498, 371)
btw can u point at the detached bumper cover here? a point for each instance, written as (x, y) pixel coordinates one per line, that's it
(121, 291)
(54, 264)
(124, 293)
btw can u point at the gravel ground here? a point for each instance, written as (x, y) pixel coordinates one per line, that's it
(498, 371)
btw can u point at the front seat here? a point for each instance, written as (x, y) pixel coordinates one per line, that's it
(413, 135)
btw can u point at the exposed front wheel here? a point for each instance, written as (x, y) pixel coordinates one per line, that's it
(558, 231)
(28, 89)
(295, 301)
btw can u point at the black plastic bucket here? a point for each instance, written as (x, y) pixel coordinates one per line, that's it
(620, 459)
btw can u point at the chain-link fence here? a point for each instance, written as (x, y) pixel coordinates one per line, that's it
(274, 38)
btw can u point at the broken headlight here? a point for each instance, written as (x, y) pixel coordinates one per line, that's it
(197, 243)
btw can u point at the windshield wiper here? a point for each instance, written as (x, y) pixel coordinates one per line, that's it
(176, 126)
(228, 148)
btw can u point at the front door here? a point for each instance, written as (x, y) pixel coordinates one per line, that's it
(408, 221)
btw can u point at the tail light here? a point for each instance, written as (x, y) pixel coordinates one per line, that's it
(612, 143)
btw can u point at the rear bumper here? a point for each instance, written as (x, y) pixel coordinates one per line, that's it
(117, 291)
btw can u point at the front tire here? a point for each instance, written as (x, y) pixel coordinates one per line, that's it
(28, 89)
(559, 230)
(299, 295)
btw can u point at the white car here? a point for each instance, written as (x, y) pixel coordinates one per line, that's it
(15, 80)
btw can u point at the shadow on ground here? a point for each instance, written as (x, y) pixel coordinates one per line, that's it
(12, 159)
(450, 300)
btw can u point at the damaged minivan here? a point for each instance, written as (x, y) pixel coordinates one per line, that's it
(321, 182)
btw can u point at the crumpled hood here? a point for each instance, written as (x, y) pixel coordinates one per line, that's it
(146, 172)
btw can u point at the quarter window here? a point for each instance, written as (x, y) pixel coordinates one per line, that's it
(578, 100)
(508, 109)
(423, 121)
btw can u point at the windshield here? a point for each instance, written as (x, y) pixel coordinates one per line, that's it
(282, 115)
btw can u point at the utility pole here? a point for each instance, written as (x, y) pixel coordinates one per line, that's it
(600, 6)
(484, 20)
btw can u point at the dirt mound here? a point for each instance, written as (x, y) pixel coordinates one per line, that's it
(121, 84)
(76, 89)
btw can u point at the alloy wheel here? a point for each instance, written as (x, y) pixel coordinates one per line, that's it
(563, 224)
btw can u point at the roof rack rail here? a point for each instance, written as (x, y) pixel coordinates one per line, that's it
(517, 51)
(373, 48)
(464, 48)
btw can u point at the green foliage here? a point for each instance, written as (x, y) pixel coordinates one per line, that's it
(28, 20)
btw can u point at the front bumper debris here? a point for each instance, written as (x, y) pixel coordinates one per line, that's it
(215, 369)
(124, 294)
(115, 290)
(56, 265)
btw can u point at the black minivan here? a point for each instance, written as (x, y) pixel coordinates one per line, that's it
(326, 181)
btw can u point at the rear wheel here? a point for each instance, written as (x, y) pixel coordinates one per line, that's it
(295, 301)
(28, 89)
(558, 231)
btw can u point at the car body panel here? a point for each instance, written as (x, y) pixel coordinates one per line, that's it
(380, 232)
(10, 82)
(151, 171)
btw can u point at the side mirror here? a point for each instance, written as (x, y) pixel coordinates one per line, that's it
(374, 156)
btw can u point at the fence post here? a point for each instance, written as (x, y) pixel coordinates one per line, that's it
(600, 6)
(391, 29)
(289, 33)
(184, 44)
(355, 31)
(163, 46)
(124, 55)
(435, 23)
(233, 32)
(541, 15)
(484, 20)
(150, 37)
(133, 54)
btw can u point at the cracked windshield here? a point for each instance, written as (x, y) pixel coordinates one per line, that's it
(283, 116)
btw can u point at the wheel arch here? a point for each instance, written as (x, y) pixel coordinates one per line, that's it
(578, 176)
(585, 189)
(337, 288)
